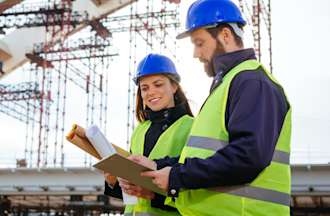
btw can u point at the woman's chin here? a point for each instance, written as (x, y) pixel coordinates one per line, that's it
(156, 108)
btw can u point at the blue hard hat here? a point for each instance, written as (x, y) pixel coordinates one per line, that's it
(156, 64)
(209, 13)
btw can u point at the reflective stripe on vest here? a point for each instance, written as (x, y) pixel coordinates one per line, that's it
(206, 143)
(281, 157)
(170, 143)
(245, 191)
(215, 145)
(256, 193)
(268, 193)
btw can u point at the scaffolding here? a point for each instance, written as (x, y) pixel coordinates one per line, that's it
(41, 14)
(83, 63)
(152, 27)
(15, 99)
(69, 75)
(258, 16)
(152, 30)
(63, 61)
(55, 65)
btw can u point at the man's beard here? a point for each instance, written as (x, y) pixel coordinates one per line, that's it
(208, 65)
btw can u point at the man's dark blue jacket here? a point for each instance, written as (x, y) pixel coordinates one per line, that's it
(254, 116)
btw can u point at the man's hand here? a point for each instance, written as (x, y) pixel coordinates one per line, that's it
(159, 177)
(135, 190)
(110, 179)
(144, 161)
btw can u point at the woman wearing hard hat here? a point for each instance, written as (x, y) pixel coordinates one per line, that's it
(164, 119)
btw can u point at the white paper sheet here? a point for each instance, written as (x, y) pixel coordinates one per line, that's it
(105, 149)
(100, 143)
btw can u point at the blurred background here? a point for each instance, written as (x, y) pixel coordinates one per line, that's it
(64, 62)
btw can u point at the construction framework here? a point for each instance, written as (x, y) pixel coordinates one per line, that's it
(259, 20)
(64, 68)
(55, 63)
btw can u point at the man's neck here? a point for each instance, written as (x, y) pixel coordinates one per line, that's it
(222, 63)
(233, 48)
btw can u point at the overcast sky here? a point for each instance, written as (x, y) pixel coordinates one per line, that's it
(301, 31)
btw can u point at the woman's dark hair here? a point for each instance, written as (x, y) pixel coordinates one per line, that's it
(179, 99)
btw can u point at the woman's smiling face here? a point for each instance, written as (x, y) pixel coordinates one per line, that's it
(157, 92)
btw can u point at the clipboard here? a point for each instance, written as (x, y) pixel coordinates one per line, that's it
(117, 163)
(122, 167)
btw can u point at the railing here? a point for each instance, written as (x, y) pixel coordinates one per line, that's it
(310, 157)
(12, 161)
(79, 160)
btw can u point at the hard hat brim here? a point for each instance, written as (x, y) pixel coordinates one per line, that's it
(183, 35)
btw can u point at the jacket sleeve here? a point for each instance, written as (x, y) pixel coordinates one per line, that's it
(166, 161)
(113, 192)
(255, 113)
(158, 202)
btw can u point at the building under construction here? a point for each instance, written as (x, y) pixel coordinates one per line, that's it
(65, 54)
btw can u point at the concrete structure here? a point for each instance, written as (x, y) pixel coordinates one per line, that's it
(51, 181)
(13, 56)
(78, 190)
(54, 187)
(307, 180)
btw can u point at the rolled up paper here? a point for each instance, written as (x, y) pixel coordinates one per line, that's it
(100, 143)
(83, 144)
(79, 130)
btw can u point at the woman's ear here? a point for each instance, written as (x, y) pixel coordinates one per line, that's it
(174, 87)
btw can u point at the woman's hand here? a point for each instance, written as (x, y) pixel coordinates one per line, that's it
(110, 179)
(144, 161)
(135, 190)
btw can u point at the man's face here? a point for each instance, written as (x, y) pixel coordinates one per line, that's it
(205, 48)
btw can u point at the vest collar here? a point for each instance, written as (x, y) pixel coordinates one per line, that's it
(166, 115)
(223, 63)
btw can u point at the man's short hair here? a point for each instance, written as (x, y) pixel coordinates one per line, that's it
(214, 31)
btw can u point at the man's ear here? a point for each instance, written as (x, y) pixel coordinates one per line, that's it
(225, 36)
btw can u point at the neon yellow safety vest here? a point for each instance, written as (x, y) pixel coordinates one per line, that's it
(170, 143)
(268, 194)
